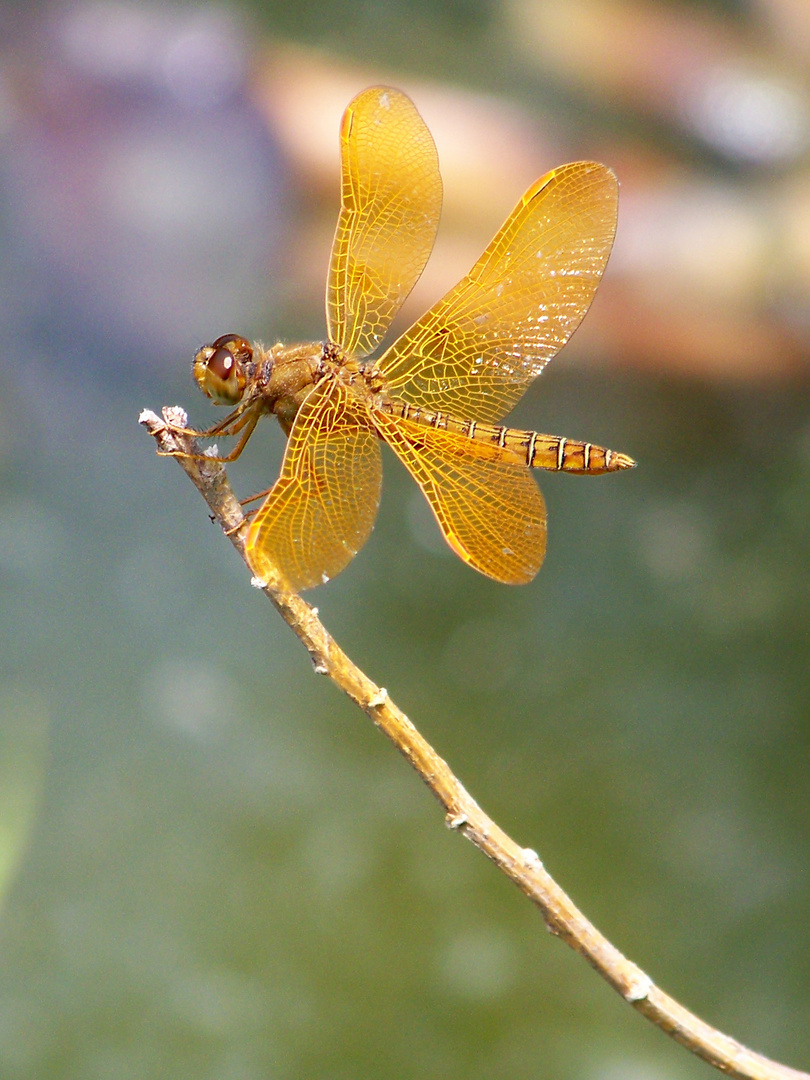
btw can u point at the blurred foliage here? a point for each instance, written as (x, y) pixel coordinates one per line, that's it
(422, 34)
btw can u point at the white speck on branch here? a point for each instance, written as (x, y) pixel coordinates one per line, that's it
(462, 813)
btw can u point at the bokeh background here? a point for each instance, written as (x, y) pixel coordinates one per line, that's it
(211, 865)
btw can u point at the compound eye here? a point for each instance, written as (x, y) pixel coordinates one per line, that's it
(237, 345)
(220, 369)
(226, 339)
(221, 361)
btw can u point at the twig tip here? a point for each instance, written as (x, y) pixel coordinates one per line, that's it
(175, 416)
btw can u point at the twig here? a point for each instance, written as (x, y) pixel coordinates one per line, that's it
(463, 814)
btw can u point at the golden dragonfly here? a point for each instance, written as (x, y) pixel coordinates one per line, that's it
(436, 394)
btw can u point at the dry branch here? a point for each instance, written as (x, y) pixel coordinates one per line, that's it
(463, 814)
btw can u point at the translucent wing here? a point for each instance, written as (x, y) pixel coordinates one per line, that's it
(390, 206)
(321, 510)
(487, 504)
(475, 352)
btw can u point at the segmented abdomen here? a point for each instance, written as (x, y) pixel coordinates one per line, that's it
(553, 452)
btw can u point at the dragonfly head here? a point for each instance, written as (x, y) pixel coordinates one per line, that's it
(220, 369)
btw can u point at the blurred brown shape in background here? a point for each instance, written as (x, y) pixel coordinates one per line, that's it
(706, 122)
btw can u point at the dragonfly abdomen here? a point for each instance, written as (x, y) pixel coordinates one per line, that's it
(559, 454)
(552, 452)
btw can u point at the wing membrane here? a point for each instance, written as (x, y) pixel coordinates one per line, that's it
(475, 352)
(488, 507)
(321, 510)
(390, 205)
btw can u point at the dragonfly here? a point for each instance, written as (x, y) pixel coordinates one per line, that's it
(437, 394)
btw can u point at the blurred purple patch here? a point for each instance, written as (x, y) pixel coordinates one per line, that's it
(143, 193)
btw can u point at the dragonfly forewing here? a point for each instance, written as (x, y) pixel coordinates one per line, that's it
(391, 199)
(475, 352)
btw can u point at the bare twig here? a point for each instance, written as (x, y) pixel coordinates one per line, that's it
(521, 865)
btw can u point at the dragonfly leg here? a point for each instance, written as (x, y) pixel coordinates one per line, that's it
(235, 528)
(253, 498)
(231, 425)
(248, 422)
(248, 513)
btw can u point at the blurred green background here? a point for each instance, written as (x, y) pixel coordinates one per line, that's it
(212, 866)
